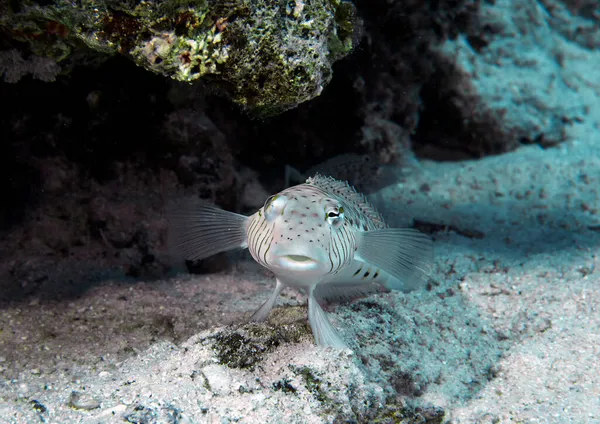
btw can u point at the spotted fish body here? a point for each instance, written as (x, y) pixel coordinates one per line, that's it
(321, 236)
(303, 225)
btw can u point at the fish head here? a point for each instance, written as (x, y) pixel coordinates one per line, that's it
(307, 234)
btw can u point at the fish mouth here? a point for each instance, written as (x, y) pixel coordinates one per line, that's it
(299, 258)
(298, 262)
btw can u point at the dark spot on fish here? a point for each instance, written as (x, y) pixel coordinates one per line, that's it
(376, 275)
(356, 273)
(366, 274)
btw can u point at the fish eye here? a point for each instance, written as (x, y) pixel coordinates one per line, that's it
(274, 206)
(334, 216)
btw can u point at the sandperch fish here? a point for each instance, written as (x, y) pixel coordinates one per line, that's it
(322, 237)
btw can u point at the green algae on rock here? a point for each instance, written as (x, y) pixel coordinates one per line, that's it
(267, 55)
(246, 345)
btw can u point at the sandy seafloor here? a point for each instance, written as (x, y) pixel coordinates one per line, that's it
(508, 329)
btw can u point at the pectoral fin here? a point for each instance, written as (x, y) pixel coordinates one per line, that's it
(404, 253)
(198, 230)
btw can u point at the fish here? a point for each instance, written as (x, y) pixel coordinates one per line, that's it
(322, 237)
(365, 173)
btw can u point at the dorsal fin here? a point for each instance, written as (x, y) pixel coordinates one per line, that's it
(349, 194)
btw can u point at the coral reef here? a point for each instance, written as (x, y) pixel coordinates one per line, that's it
(426, 81)
(268, 56)
(97, 322)
(13, 66)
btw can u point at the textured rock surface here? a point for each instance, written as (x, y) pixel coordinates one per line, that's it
(187, 383)
(532, 68)
(268, 56)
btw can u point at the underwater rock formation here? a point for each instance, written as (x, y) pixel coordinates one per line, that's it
(268, 56)
(94, 326)
(508, 69)
(430, 79)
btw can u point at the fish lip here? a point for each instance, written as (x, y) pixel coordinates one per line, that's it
(300, 258)
(295, 262)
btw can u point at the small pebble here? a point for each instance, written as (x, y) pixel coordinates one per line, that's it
(83, 401)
